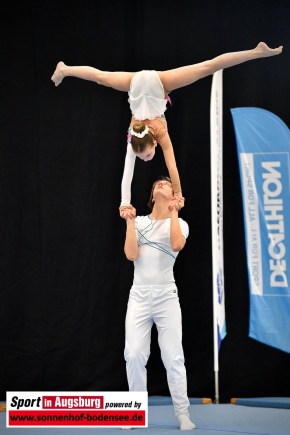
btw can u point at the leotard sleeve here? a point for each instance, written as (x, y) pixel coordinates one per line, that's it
(127, 176)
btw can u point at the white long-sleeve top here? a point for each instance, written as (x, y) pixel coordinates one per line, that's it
(154, 265)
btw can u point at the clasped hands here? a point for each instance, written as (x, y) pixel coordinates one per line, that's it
(128, 211)
(177, 203)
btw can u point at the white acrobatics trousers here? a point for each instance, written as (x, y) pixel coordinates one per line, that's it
(160, 305)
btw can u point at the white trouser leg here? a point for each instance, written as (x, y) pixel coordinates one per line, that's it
(167, 316)
(138, 337)
(161, 305)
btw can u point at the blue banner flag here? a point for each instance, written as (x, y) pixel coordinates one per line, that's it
(263, 142)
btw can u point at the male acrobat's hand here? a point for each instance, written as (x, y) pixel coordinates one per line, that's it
(177, 203)
(127, 212)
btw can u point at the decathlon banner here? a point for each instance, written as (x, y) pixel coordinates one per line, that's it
(263, 142)
(216, 138)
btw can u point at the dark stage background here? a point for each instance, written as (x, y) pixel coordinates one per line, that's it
(64, 277)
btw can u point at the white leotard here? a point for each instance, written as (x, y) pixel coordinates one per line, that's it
(146, 96)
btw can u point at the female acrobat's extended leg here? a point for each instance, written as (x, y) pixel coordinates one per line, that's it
(119, 80)
(183, 76)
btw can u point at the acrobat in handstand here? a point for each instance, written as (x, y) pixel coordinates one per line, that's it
(148, 96)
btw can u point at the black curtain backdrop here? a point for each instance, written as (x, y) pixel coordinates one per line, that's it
(64, 277)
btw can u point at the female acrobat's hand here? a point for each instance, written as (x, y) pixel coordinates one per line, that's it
(127, 212)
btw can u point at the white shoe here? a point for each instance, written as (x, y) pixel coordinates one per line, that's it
(185, 422)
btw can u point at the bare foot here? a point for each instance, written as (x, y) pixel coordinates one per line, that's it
(58, 74)
(265, 51)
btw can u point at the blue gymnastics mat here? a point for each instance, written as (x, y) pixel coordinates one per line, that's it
(265, 402)
(209, 420)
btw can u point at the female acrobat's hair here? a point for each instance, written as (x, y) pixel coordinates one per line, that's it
(140, 144)
(161, 178)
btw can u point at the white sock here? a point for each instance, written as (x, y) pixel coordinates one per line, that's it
(127, 427)
(185, 423)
